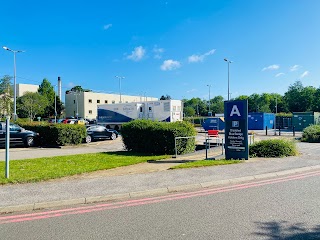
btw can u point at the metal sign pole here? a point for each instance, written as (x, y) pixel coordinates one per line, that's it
(7, 146)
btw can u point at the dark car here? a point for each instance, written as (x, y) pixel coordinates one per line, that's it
(18, 135)
(99, 132)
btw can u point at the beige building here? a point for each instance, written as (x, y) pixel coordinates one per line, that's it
(23, 88)
(86, 103)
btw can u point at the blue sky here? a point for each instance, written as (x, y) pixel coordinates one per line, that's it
(173, 47)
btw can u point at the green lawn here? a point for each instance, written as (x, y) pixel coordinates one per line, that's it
(205, 163)
(40, 169)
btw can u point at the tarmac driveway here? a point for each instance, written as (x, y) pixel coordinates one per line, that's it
(99, 146)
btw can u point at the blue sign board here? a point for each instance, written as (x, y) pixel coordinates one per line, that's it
(236, 129)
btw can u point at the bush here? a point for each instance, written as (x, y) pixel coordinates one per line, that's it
(57, 134)
(273, 148)
(147, 136)
(311, 134)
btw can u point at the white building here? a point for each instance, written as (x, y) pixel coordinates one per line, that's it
(85, 104)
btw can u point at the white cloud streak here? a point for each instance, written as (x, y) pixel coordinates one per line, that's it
(294, 68)
(170, 64)
(200, 58)
(271, 67)
(137, 54)
(279, 74)
(306, 73)
(107, 26)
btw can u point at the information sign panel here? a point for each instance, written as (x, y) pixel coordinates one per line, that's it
(236, 129)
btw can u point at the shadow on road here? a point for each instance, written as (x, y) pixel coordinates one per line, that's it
(283, 230)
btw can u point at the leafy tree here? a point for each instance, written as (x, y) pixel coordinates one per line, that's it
(217, 105)
(189, 111)
(48, 91)
(31, 104)
(299, 98)
(78, 89)
(166, 97)
(316, 102)
(6, 93)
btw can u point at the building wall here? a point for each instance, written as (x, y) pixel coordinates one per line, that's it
(23, 88)
(88, 102)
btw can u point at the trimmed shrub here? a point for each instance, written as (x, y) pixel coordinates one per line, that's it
(146, 136)
(273, 148)
(311, 134)
(57, 134)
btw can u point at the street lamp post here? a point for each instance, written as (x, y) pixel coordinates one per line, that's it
(14, 81)
(209, 97)
(55, 104)
(228, 61)
(119, 78)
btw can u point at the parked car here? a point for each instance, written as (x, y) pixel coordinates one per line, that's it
(100, 132)
(18, 135)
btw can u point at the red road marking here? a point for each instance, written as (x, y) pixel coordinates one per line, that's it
(144, 201)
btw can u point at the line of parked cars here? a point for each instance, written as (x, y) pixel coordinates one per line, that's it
(21, 136)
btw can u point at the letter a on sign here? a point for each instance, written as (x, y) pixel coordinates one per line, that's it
(235, 110)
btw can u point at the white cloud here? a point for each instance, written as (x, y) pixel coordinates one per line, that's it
(200, 58)
(192, 90)
(107, 26)
(158, 52)
(137, 54)
(71, 84)
(168, 65)
(279, 74)
(306, 73)
(271, 67)
(294, 68)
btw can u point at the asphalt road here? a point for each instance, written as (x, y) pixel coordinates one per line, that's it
(16, 153)
(281, 208)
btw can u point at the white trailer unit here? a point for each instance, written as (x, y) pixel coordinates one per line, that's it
(113, 115)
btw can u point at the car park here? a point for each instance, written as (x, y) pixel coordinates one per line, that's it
(18, 135)
(97, 132)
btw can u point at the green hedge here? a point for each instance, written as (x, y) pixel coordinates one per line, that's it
(273, 148)
(311, 134)
(146, 136)
(57, 134)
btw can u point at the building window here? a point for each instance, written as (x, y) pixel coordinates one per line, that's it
(90, 111)
(98, 101)
(90, 100)
(105, 101)
(113, 101)
(74, 101)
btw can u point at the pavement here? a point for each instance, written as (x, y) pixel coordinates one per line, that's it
(150, 179)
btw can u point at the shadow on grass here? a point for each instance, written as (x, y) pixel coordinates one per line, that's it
(170, 161)
(283, 230)
(128, 154)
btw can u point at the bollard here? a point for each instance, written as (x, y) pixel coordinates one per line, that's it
(293, 131)
(279, 131)
(266, 130)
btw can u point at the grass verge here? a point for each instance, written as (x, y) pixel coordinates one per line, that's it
(41, 169)
(205, 163)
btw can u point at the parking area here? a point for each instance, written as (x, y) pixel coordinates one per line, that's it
(17, 153)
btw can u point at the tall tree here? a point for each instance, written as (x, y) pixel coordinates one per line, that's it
(166, 97)
(6, 93)
(78, 89)
(46, 89)
(31, 105)
(299, 98)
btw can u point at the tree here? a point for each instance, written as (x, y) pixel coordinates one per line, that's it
(78, 89)
(189, 111)
(217, 105)
(48, 91)
(31, 104)
(299, 98)
(167, 97)
(6, 93)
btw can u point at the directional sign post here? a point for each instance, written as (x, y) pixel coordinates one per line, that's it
(236, 129)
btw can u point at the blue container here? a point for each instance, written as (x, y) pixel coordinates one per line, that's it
(214, 123)
(259, 121)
